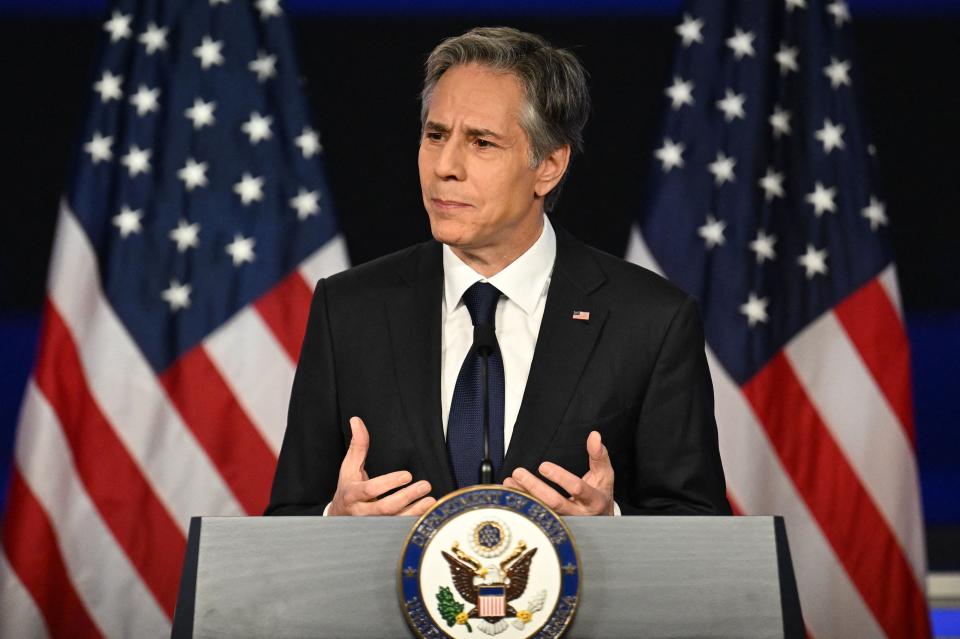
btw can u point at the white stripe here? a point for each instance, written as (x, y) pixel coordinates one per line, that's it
(888, 280)
(126, 388)
(257, 370)
(327, 260)
(19, 615)
(105, 580)
(857, 414)
(831, 604)
(639, 253)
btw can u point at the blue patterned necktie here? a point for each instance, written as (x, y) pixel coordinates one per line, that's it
(465, 423)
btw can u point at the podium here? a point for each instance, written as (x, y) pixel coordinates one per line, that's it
(337, 577)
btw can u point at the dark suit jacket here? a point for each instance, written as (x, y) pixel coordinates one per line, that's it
(635, 371)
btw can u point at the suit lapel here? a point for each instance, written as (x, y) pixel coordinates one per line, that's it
(563, 348)
(413, 314)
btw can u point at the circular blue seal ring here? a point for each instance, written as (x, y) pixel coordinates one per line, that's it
(496, 497)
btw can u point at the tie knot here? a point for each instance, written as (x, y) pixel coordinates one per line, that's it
(481, 300)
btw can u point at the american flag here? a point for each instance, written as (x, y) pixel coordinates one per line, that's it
(197, 220)
(765, 206)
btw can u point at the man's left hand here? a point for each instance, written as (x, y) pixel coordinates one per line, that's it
(591, 494)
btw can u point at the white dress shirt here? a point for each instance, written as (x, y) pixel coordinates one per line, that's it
(524, 283)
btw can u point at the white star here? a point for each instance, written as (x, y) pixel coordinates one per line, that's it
(786, 57)
(712, 232)
(722, 168)
(128, 221)
(145, 100)
(780, 121)
(108, 86)
(241, 249)
(209, 52)
(186, 235)
(309, 142)
(257, 127)
(840, 12)
(306, 203)
(249, 188)
(136, 160)
(118, 26)
(99, 147)
(690, 30)
(670, 154)
(265, 66)
(831, 135)
(154, 38)
(741, 43)
(796, 4)
(763, 246)
(268, 8)
(177, 296)
(755, 309)
(680, 93)
(822, 199)
(876, 213)
(201, 113)
(772, 184)
(838, 71)
(814, 261)
(732, 106)
(193, 174)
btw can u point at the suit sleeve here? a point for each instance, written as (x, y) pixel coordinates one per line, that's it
(313, 445)
(678, 469)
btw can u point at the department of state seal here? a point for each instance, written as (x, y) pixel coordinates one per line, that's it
(491, 559)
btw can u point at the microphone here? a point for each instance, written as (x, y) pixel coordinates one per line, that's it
(485, 344)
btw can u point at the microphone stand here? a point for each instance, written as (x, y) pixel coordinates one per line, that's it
(485, 341)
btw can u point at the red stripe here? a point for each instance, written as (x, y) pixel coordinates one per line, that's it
(220, 424)
(735, 505)
(285, 308)
(122, 495)
(832, 490)
(117, 487)
(873, 325)
(31, 547)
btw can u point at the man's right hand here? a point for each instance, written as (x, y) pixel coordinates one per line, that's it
(359, 495)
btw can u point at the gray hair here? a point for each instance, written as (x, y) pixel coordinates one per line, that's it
(556, 104)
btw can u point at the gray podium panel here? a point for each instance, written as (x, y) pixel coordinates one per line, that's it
(336, 577)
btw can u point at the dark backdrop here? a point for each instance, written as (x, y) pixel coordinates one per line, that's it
(362, 79)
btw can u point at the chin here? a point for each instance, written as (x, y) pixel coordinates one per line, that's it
(450, 232)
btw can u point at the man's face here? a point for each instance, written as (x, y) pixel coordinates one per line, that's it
(475, 176)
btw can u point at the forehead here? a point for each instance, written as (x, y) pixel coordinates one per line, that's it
(473, 94)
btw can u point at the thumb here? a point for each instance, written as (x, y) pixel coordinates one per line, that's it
(597, 453)
(356, 455)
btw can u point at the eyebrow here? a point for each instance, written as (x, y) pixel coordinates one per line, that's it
(470, 131)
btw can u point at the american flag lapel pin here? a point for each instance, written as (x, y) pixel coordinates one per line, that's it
(582, 315)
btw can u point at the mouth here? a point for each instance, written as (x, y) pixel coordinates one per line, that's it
(449, 205)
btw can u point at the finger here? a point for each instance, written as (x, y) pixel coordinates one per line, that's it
(597, 454)
(539, 489)
(419, 507)
(359, 445)
(578, 489)
(372, 488)
(510, 483)
(395, 503)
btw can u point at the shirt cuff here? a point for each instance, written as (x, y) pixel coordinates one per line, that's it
(327, 509)
(616, 510)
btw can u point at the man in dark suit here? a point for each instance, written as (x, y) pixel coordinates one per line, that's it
(597, 380)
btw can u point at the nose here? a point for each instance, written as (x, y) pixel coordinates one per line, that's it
(450, 165)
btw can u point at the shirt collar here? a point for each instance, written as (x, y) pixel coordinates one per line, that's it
(523, 280)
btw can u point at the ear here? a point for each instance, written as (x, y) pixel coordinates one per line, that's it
(551, 170)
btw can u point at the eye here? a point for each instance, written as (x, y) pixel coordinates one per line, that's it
(433, 136)
(484, 144)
